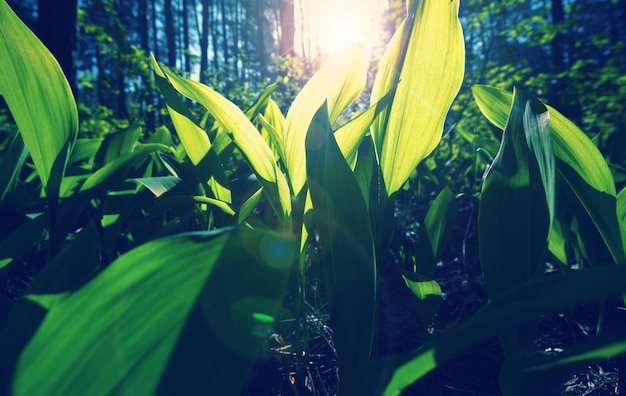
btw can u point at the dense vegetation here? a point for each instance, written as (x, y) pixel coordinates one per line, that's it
(161, 237)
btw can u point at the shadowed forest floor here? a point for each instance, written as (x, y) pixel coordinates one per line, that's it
(400, 330)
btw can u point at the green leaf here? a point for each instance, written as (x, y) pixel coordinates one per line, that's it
(428, 293)
(337, 83)
(11, 163)
(425, 58)
(350, 135)
(194, 139)
(160, 321)
(345, 233)
(244, 134)
(440, 220)
(110, 170)
(158, 185)
(39, 97)
(514, 218)
(117, 144)
(578, 160)
(85, 150)
(570, 144)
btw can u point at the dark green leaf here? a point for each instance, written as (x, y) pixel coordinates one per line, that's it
(173, 316)
(344, 227)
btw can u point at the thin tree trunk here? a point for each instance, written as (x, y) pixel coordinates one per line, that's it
(225, 48)
(170, 33)
(287, 27)
(56, 27)
(204, 41)
(155, 36)
(558, 53)
(185, 16)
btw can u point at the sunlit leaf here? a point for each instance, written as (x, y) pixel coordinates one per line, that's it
(194, 139)
(350, 135)
(158, 185)
(426, 60)
(243, 132)
(117, 144)
(38, 96)
(338, 83)
(428, 294)
(160, 321)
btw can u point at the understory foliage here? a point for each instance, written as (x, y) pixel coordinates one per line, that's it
(163, 260)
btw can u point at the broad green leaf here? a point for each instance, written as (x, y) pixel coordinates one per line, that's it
(570, 144)
(158, 321)
(107, 172)
(440, 220)
(194, 139)
(514, 218)
(345, 233)
(578, 160)
(273, 122)
(426, 60)
(243, 132)
(85, 150)
(545, 294)
(337, 83)
(428, 294)
(261, 103)
(601, 207)
(517, 209)
(39, 98)
(244, 213)
(539, 141)
(11, 163)
(117, 144)
(158, 185)
(350, 135)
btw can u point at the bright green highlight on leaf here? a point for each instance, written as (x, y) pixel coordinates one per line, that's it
(337, 83)
(38, 96)
(426, 60)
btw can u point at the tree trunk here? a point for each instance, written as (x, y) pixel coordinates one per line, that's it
(287, 27)
(186, 45)
(225, 50)
(204, 41)
(170, 33)
(56, 27)
(558, 55)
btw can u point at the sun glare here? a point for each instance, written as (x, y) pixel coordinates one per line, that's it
(327, 28)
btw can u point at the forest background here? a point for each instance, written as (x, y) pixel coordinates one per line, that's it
(572, 53)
